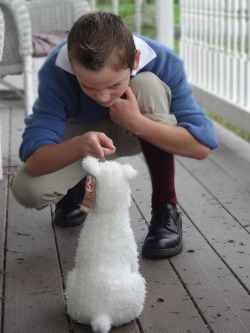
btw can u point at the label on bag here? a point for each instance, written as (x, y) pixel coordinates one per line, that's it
(90, 193)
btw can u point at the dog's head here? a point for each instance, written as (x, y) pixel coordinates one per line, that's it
(112, 187)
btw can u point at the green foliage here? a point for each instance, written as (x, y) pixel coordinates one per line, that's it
(177, 15)
(127, 12)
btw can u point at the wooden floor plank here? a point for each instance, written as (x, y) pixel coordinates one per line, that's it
(227, 191)
(236, 167)
(198, 274)
(141, 185)
(217, 226)
(3, 206)
(207, 284)
(176, 313)
(216, 291)
(34, 299)
(127, 328)
(238, 146)
(168, 308)
(4, 123)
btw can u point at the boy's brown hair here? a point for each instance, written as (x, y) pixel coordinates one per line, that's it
(101, 38)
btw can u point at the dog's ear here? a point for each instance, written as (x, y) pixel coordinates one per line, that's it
(128, 171)
(91, 165)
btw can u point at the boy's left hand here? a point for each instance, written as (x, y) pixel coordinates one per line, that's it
(126, 112)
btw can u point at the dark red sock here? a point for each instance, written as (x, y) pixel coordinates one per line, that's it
(161, 168)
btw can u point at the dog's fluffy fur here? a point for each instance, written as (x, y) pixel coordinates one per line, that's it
(105, 288)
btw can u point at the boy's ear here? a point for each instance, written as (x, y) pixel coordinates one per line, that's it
(137, 59)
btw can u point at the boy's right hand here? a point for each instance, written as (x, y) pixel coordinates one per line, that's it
(96, 144)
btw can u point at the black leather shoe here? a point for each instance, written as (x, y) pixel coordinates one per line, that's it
(164, 238)
(67, 212)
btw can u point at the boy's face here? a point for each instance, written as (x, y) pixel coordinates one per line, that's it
(104, 86)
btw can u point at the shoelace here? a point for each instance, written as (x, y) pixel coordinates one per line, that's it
(161, 216)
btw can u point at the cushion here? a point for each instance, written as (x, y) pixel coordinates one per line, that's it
(44, 41)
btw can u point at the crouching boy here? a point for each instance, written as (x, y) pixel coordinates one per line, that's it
(107, 93)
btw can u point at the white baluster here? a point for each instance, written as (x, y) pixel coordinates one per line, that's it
(222, 56)
(185, 32)
(189, 40)
(93, 4)
(138, 18)
(164, 22)
(216, 46)
(194, 54)
(248, 59)
(115, 6)
(200, 29)
(211, 45)
(203, 45)
(191, 50)
(208, 43)
(235, 39)
(184, 35)
(197, 42)
(243, 54)
(229, 77)
(205, 50)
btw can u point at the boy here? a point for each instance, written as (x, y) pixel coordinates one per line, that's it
(108, 94)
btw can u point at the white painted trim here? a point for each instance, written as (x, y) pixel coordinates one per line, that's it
(236, 115)
(165, 22)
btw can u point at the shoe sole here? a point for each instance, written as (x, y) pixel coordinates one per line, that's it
(69, 223)
(161, 253)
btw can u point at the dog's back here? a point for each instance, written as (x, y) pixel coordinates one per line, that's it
(105, 288)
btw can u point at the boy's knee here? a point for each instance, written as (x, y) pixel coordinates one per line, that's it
(27, 192)
(149, 84)
(153, 97)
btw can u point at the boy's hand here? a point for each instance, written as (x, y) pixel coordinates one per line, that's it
(96, 144)
(125, 112)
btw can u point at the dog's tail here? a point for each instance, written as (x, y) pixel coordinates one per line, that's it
(101, 324)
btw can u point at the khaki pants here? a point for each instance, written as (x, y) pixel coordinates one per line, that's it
(153, 97)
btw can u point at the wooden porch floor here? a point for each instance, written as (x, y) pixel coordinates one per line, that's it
(204, 289)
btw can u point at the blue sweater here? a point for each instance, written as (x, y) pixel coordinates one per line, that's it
(61, 98)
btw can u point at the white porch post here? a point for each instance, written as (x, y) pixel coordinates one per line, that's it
(115, 5)
(138, 4)
(93, 4)
(165, 22)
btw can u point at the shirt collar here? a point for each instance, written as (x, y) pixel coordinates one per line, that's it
(147, 54)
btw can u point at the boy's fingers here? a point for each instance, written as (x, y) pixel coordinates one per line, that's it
(108, 151)
(107, 142)
(107, 147)
(129, 93)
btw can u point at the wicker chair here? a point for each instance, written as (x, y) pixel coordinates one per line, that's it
(19, 19)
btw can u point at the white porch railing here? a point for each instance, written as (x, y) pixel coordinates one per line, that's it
(215, 46)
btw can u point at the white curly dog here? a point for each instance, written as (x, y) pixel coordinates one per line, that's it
(105, 287)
